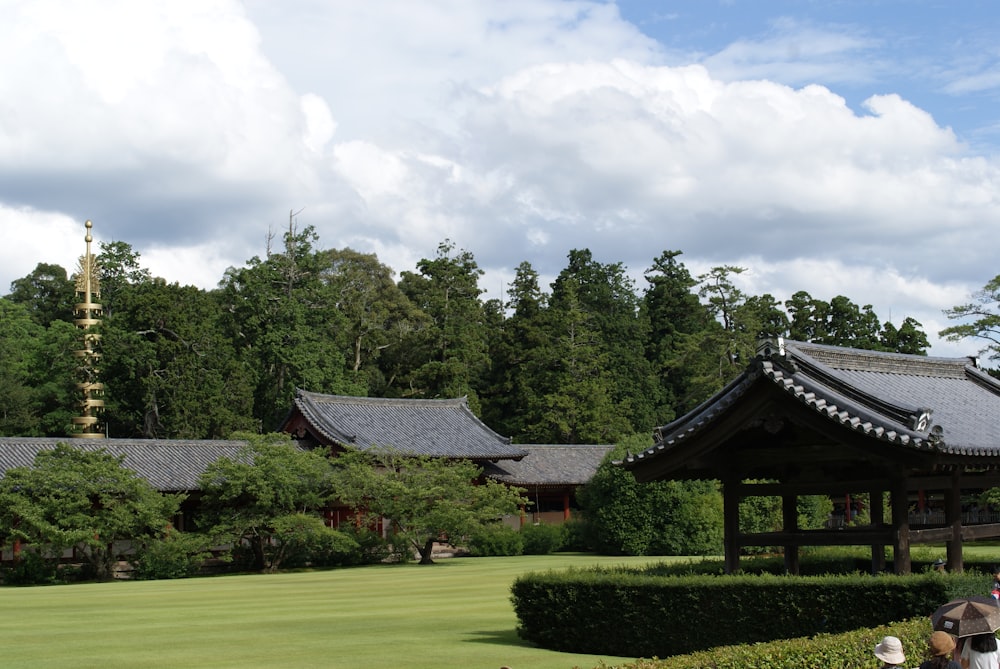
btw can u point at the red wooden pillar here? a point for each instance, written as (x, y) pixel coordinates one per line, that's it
(565, 506)
(524, 516)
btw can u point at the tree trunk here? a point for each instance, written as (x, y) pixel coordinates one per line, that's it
(426, 551)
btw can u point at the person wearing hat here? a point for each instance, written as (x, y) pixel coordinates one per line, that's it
(890, 651)
(980, 652)
(940, 646)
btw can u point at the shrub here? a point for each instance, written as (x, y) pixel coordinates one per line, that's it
(176, 555)
(495, 540)
(31, 569)
(848, 650)
(631, 612)
(576, 536)
(541, 539)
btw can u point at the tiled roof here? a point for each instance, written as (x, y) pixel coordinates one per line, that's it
(550, 464)
(944, 405)
(436, 428)
(168, 464)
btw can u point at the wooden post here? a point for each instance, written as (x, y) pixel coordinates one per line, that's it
(731, 492)
(790, 525)
(953, 519)
(900, 527)
(565, 506)
(877, 511)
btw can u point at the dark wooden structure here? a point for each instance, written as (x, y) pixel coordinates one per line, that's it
(550, 475)
(811, 419)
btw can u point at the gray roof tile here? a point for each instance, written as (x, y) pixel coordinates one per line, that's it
(550, 465)
(168, 464)
(945, 405)
(437, 428)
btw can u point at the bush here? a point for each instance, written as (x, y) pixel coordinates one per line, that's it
(495, 540)
(576, 536)
(32, 569)
(541, 539)
(176, 555)
(623, 612)
(372, 547)
(848, 650)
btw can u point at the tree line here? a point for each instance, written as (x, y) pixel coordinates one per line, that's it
(592, 359)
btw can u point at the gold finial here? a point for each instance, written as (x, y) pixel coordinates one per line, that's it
(88, 314)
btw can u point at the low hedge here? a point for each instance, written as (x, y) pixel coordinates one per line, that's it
(848, 650)
(635, 614)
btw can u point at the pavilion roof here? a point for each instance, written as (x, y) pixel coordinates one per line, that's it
(437, 428)
(550, 465)
(168, 464)
(941, 406)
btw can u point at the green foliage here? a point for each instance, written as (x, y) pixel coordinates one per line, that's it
(661, 518)
(423, 500)
(981, 316)
(82, 500)
(542, 539)
(495, 540)
(621, 612)
(47, 293)
(31, 568)
(173, 555)
(257, 498)
(848, 650)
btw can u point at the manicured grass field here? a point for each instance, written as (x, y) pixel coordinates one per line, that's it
(454, 614)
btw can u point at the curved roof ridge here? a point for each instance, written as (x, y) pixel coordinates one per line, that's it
(905, 414)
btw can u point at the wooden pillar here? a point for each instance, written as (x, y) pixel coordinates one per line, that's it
(565, 506)
(731, 493)
(953, 519)
(524, 516)
(877, 511)
(790, 525)
(900, 527)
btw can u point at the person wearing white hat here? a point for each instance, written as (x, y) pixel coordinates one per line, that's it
(890, 651)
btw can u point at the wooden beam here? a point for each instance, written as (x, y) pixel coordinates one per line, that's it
(790, 525)
(900, 500)
(953, 519)
(849, 537)
(731, 525)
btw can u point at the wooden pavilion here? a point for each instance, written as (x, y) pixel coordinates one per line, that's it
(807, 419)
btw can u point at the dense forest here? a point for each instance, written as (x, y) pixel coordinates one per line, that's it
(593, 359)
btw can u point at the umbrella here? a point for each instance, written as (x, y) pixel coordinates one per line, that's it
(968, 616)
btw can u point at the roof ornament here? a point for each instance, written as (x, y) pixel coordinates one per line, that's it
(87, 318)
(768, 347)
(920, 421)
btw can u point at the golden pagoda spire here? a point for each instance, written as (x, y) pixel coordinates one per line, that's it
(87, 313)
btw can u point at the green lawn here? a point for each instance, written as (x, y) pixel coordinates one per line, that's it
(456, 613)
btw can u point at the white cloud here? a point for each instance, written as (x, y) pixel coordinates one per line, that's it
(519, 130)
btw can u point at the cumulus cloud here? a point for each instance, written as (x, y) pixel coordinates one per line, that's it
(518, 130)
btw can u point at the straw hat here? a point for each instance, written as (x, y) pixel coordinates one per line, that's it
(890, 651)
(941, 643)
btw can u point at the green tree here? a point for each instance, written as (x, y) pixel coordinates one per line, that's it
(119, 269)
(423, 500)
(84, 500)
(378, 316)
(625, 517)
(676, 318)
(449, 356)
(169, 370)
(47, 293)
(258, 497)
(982, 319)
(607, 297)
(19, 341)
(520, 351)
(284, 321)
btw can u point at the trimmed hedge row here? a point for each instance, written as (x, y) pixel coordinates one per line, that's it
(848, 650)
(635, 614)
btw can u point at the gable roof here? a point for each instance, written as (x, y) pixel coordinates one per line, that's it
(170, 465)
(930, 405)
(550, 465)
(436, 428)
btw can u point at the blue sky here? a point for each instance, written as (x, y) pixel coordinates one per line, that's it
(836, 147)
